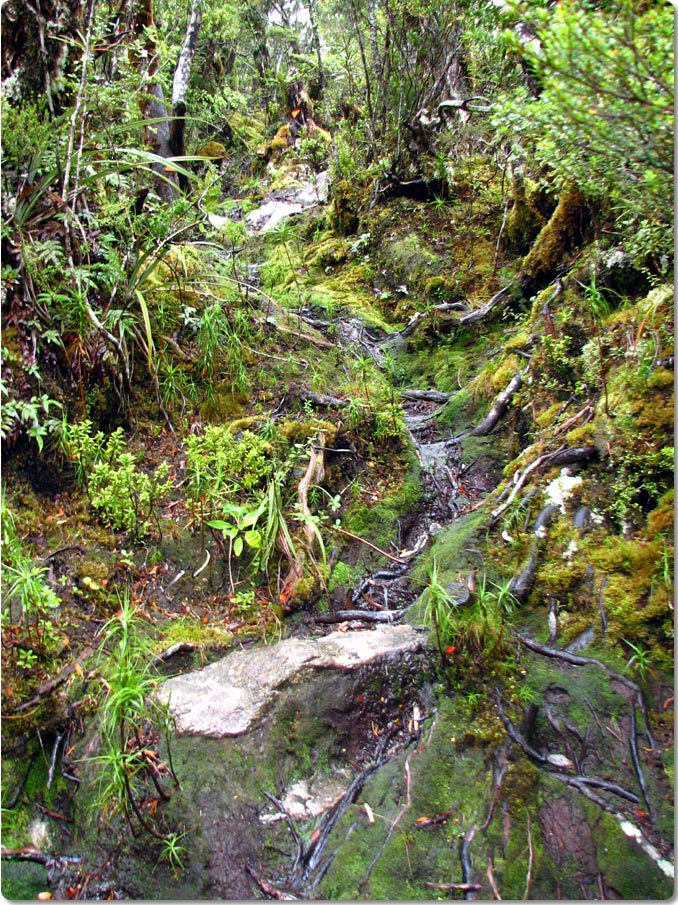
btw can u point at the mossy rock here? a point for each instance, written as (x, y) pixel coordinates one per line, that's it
(347, 202)
(214, 150)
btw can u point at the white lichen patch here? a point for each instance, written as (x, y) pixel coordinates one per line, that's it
(561, 489)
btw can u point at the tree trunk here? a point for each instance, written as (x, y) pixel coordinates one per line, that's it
(152, 102)
(315, 41)
(36, 39)
(182, 75)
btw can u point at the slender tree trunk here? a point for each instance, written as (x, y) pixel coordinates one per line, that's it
(182, 75)
(315, 41)
(151, 100)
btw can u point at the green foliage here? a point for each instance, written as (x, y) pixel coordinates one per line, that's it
(219, 466)
(86, 449)
(603, 117)
(125, 496)
(34, 596)
(32, 417)
(131, 719)
(438, 610)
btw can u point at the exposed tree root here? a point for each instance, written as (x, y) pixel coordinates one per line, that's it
(314, 475)
(500, 405)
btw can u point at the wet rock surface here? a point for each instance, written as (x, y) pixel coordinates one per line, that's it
(229, 696)
(286, 202)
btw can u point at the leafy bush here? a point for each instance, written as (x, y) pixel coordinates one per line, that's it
(124, 496)
(604, 114)
(127, 497)
(219, 465)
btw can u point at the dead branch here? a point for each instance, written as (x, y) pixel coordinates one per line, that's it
(500, 405)
(576, 660)
(179, 647)
(502, 763)
(362, 615)
(521, 584)
(519, 480)
(394, 824)
(367, 543)
(465, 858)
(517, 736)
(321, 400)
(636, 762)
(426, 395)
(462, 887)
(479, 313)
(608, 787)
(269, 890)
(307, 337)
(293, 830)
(528, 879)
(48, 687)
(564, 455)
(32, 854)
(586, 413)
(424, 823)
(314, 475)
(491, 880)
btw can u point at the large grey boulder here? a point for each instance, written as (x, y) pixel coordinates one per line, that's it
(228, 697)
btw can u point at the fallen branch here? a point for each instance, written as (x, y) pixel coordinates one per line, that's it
(564, 455)
(179, 647)
(48, 687)
(519, 480)
(576, 660)
(394, 824)
(502, 762)
(269, 890)
(465, 857)
(424, 823)
(500, 405)
(32, 854)
(314, 340)
(367, 544)
(479, 313)
(528, 879)
(462, 887)
(321, 400)
(426, 395)
(293, 830)
(362, 615)
(636, 762)
(586, 413)
(314, 475)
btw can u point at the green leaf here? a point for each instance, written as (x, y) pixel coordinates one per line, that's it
(219, 525)
(238, 546)
(150, 348)
(253, 539)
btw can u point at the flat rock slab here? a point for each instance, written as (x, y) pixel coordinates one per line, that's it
(227, 698)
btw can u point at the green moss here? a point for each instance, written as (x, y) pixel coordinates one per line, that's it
(623, 864)
(23, 880)
(378, 522)
(453, 549)
(559, 235)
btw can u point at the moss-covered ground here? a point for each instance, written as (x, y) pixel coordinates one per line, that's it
(262, 353)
